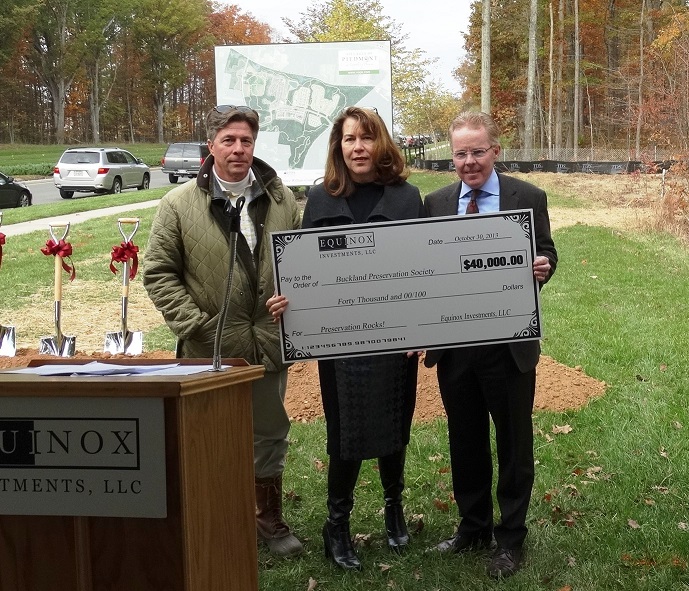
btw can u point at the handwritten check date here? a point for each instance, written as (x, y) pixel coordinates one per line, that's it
(407, 286)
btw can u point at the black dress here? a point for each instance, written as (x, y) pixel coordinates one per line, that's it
(368, 401)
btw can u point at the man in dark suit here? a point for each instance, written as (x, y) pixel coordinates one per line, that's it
(498, 382)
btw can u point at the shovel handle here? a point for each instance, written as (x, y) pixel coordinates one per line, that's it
(125, 282)
(53, 227)
(122, 221)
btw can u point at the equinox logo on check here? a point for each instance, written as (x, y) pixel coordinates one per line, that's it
(346, 241)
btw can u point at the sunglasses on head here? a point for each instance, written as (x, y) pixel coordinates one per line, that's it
(222, 109)
(363, 108)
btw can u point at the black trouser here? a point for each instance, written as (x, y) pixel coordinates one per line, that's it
(477, 384)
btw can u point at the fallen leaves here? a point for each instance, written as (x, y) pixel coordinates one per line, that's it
(555, 430)
(416, 523)
(291, 495)
(647, 562)
(568, 519)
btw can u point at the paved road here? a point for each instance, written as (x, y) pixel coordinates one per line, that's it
(44, 190)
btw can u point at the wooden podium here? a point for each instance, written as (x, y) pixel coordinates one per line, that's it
(207, 542)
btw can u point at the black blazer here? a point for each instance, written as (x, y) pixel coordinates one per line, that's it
(514, 194)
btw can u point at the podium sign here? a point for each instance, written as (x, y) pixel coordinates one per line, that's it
(82, 457)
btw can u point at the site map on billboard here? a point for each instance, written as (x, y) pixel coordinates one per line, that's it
(298, 89)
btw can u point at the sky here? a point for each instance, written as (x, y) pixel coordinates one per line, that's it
(435, 26)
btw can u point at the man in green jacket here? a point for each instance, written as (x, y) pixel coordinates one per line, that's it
(185, 273)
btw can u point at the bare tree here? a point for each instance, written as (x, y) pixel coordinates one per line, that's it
(53, 57)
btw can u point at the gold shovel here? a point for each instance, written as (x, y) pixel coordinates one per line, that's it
(8, 338)
(58, 345)
(125, 341)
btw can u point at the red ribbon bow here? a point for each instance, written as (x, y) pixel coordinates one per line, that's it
(64, 250)
(2, 241)
(122, 254)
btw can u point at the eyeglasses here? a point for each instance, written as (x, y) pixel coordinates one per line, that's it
(477, 154)
(222, 109)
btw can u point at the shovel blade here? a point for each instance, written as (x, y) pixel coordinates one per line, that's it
(50, 346)
(8, 341)
(133, 344)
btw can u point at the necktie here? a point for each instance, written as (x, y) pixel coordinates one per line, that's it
(472, 207)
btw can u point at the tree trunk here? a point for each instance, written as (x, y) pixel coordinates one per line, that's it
(559, 95)
(531, 79)
(94, 102)
(640, 106)
(550, 85)
(577, 90)
(485, 58)
(159, 98)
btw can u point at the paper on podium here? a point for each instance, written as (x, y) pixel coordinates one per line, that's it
(96, 368)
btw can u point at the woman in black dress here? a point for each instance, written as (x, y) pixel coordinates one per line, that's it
(368, 401)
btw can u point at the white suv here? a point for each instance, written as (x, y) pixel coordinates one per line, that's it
(99, 170)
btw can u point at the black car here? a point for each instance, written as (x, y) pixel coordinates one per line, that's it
(13, 193)
(184, 159)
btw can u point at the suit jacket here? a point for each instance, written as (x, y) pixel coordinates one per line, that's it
(514, 194)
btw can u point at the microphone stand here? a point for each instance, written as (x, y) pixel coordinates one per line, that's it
(235, 228)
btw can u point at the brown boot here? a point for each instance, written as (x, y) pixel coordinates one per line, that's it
(270, 526)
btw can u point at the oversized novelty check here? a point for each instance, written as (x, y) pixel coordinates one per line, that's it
(407, 285)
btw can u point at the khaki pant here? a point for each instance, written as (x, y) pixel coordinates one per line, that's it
(271, 424)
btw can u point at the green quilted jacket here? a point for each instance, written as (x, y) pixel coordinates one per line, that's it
(187, 260)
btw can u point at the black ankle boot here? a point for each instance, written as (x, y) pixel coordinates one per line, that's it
(391, 470)
(337, 540)
(396, 528)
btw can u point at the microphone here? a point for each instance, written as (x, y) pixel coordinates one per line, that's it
(234, 214)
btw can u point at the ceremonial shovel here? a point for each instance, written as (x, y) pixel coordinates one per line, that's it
(59, 345)
(125, 341)
(8, 339)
